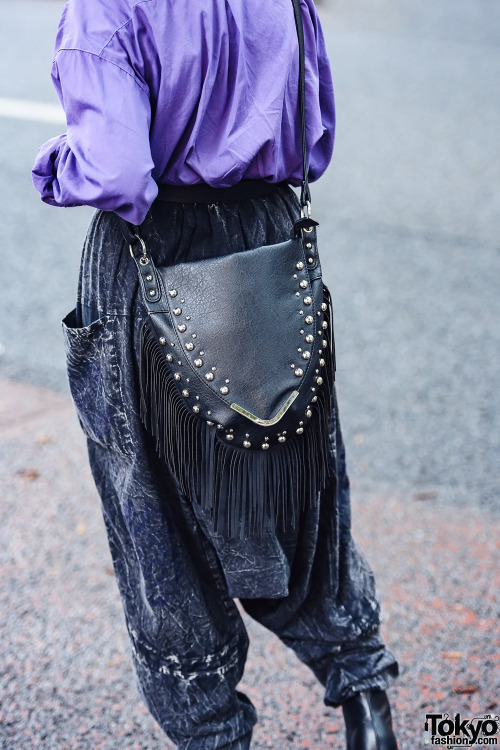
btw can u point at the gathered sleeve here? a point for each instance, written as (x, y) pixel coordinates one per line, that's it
(104, 160)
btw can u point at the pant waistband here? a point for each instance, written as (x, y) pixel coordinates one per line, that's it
(203, 193)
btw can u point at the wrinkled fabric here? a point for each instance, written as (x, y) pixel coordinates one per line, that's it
(311, 585)
(155, 92)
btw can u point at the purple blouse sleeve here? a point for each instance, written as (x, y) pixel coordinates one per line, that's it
(104, 160)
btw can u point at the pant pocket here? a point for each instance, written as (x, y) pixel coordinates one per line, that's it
(94, 380)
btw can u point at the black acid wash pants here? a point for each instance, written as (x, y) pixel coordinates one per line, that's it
(177, 578)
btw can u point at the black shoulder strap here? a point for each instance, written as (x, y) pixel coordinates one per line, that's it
(305, 195)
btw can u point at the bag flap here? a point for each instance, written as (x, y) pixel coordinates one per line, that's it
(244, 323)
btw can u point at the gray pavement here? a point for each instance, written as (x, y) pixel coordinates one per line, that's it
(409, 213)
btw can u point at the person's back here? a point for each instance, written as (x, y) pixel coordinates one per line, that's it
(183, 93)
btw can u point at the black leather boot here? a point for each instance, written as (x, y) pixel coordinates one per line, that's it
(368, 721)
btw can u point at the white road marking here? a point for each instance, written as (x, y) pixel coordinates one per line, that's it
(22, 109)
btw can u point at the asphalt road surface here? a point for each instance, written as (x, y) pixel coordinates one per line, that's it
(409, 213)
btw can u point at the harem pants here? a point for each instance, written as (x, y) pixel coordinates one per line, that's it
(177, 578)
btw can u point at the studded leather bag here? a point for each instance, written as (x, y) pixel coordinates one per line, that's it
(237, 370)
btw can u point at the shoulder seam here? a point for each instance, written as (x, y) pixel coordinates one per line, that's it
(100, 56)
(115, 32)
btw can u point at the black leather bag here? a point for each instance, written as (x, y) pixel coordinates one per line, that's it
(237, 370)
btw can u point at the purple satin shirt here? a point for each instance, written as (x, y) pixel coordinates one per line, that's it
(181, 92)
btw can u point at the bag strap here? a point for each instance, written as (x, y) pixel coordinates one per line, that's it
(305, 195)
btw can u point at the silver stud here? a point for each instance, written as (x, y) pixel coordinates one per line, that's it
(299, 266)
(265, 446)
(318, 314)
(224, 390)
(314, 399)
(301, 331)
(196, 409)
(188, 317)
(322, 363)
(170, 358)
(190, 346)
(177, 310)
(319, 381)
(187, 380)
(229, 437)
(309, 338)
(309, 320)
(177, 376)
(300, 424)
(163, 340)
(297, 294)
(173, 293)
(299, 430)
(227, 381)
(309, 245)
(209, 376)
(149, 277)
(247, 444)
(310, 261)
(298, 372)
(309, 413)
(324, 325)
(179, 363)
(306, 355)
(307, 300)
(313, 389)
(209, 413)
(181, 328)
(183, 300)
(214, 369)
(294, 275)
(198, 398)
(299, 349)
(194, 335)
(198, 362)
(220, 426)
(325, 343)
(303, 284)
(324, 306)
(185, 393)
(281, 439)
(209, 423)
(202, 353)
(152, 292)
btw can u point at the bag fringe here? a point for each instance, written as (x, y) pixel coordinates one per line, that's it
(246, 492)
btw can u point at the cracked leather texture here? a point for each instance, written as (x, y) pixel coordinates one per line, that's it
(177, 578)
